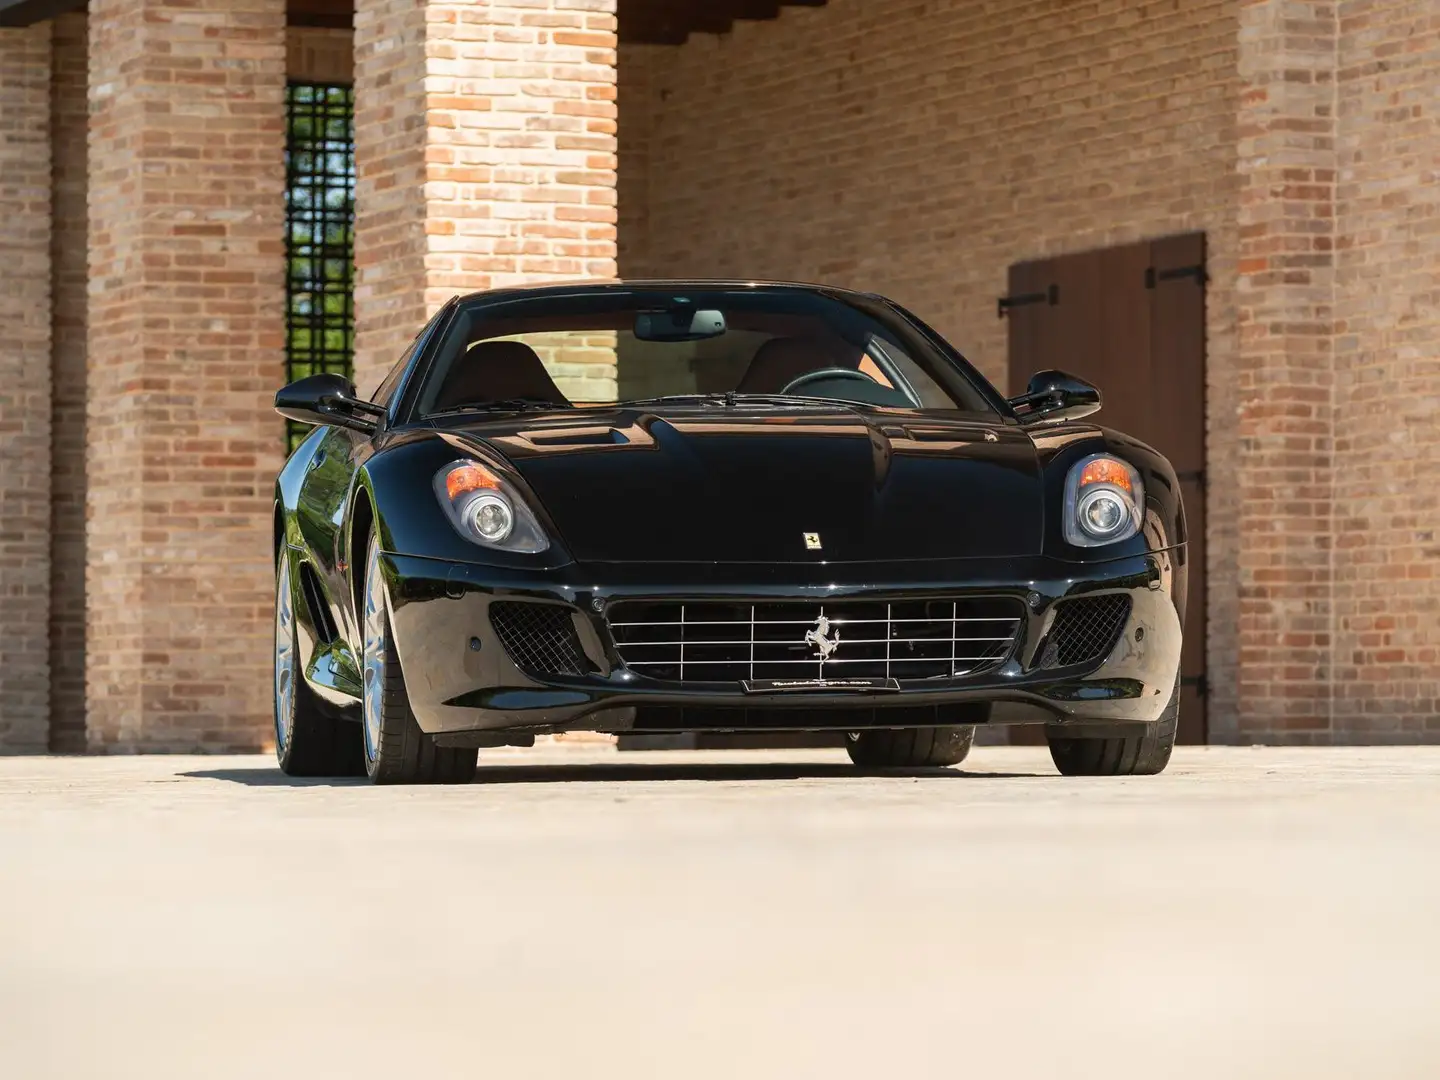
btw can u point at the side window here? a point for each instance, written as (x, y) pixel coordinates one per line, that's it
(387, 388)
(386, 391)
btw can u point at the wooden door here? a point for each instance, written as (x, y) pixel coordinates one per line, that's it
(1132, 321)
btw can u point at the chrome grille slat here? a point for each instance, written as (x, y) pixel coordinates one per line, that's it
(848, 641)
(734, 640)
(795, 622)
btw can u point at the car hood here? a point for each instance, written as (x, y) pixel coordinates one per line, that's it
(736, 485)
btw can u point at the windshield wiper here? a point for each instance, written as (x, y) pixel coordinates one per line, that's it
(519, 404)
(729, 399)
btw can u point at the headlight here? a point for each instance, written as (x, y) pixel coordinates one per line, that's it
(1103, 501)
(485, 509)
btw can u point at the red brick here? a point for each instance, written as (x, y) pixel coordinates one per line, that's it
(25, 389)
(180, 601)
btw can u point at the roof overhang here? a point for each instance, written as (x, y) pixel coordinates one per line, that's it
(29, 12)
(655, 22)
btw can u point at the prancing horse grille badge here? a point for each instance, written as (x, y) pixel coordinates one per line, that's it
(821, 639)
(812, 541)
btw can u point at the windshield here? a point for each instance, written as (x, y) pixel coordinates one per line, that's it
(598, 347)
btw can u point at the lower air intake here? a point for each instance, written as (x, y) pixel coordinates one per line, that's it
(540, 638)
(1085, 629)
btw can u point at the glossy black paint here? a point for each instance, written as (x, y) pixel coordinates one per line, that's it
(701, 501)
(327, 398)
(1057, 395)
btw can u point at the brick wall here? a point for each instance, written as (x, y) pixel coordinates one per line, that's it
(69, 119)
(185, 340)
(25, 389)
(1285, 366)
(918, 149)
(390, 239)
(485, 156)
(1387, 351)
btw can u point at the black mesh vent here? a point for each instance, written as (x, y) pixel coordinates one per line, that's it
(540, 638)
(1085, 629)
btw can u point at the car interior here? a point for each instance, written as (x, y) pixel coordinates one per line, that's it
(498, 370)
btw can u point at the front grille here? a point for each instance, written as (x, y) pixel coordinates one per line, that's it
(727, 642)
(540, 638)
(1085, 629)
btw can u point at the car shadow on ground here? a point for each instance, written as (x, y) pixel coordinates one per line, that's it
(730, 772)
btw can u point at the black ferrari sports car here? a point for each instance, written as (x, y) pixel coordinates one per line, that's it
(682, 506)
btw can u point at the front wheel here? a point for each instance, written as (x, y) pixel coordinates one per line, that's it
(1144, 753)
(396, 750)
(911, 748)
(307, 741)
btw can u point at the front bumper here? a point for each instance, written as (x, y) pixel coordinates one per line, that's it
(461, 679)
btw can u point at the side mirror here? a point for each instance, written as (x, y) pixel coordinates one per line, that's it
(327, 399)
(1055, 395)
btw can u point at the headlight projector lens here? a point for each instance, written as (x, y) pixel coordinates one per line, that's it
(1101, 513)
(492, 517)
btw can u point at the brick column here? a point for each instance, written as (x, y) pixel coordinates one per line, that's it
(485, 156)
(185, 346)
(69, 123)
(25, 389)
(1387, 441)
(1285, 297)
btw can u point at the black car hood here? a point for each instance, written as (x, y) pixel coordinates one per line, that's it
(747, 485)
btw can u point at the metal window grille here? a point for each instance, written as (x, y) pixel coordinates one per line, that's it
(319, 233)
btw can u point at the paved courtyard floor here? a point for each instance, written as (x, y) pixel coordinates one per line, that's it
(578, 913)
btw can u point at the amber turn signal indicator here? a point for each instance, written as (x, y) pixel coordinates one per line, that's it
(1107, 471)
(469, 478)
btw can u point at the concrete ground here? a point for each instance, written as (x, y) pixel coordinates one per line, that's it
(1251, 913)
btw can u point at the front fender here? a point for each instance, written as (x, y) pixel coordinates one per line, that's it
(1164, 527)
(1061, 447)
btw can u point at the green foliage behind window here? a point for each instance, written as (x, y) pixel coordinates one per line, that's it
(320, 233)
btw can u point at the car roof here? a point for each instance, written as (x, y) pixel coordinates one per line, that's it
(601, 285)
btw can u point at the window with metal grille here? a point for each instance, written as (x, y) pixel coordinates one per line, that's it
(319, 233)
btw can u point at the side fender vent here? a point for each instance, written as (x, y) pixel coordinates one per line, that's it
(320, 616)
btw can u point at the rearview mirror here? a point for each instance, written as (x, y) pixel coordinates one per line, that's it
(327, 399)
(679, 324)
(1056, 395)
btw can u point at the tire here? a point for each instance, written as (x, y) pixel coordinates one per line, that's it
(393, 748)
(911, 748)
(307, 741)
(1144, 754)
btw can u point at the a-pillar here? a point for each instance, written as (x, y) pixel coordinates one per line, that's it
(185, 350)
(485, 156)
(25, 389)
(1285, 296)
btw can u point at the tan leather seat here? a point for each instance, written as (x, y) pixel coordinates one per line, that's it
(780, 361)
(497, 371)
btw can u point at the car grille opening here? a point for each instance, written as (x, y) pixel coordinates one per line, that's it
(540, 638)
(732, 641)
(1085, 629)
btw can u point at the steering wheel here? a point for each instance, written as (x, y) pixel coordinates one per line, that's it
(809, 377)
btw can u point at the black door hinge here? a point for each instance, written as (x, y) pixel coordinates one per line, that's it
(1050, 296)
(1197, 476)
(1153, 276)
(1202, 687)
